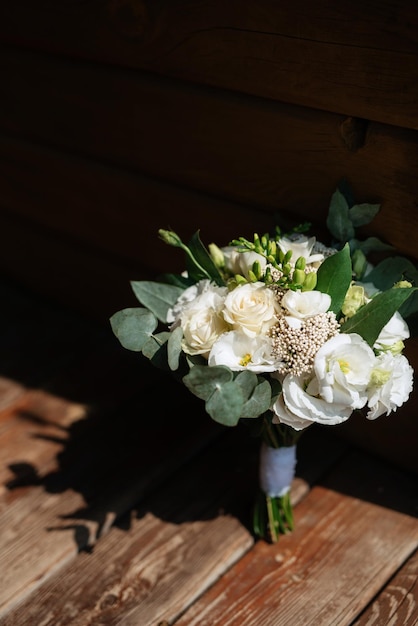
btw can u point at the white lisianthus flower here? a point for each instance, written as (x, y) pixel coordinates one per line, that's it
(241, 352)
(391, 383)
(392, 335)
(301, 245)
(343, 366)
(202, 322)
(251, 308)
(189, 295)
(304, 304)
(299, 406)
(241, 262)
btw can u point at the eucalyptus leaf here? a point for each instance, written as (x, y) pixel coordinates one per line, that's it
(225, 404)
(361, 214)
(203, 380)
(260, 400)
(174, 348)
(372, 317)
(155, 350)
(248, 381)
(133, 327)
(334, 277)
(157, 297)
(338, 220)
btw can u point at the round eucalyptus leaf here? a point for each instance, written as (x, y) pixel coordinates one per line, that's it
(133, 327)
(225, 404)
(174, 348)
(260, 400)
(202, 380)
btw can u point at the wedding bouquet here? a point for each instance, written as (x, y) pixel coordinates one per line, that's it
(281, 331)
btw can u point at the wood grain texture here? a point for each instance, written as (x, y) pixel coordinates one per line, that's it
(357, 58)
(268, 156)
(397, 604)
(114, 511)
(342, 551)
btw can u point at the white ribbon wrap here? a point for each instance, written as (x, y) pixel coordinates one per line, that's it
(277, 469)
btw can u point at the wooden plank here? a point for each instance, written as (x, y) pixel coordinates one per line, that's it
(170, 549)
(352, 534)
(357, 59)
(113, 209)
(268, 156)
(397, 603)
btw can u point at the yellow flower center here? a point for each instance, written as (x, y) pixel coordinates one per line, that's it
(246, 359)
(344, 366)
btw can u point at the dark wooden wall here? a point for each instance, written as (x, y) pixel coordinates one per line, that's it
(118, 117)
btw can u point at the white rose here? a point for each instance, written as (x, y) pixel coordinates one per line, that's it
(304, 304)
(202, 322)
(343, 366)
(251, 308)
(189, 295)
(299, 406)
(392, 335)
(391, 383)
(301, 245)
(239, 352)
(241, 262)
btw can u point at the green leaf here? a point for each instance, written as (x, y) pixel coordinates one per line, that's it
(371, 318)
(174, 348)
(260, 400)
(155, 350)
(334, 277)
(133, 327)
(202, 380)
(371, 244)
(361, 214)
(157, 297)
(247, 381)
(225, 404)
(338, 221)
(201, 260)
(390, 271)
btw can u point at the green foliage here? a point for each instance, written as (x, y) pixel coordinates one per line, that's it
(133, 327)
(334, 277)
(372, 317)
(157, 297)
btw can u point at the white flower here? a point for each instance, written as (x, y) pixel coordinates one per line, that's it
(189, 295)
(343, 366)
(239, 352)
(241, 262)
(391, 336)
(202, 321)
(251, 308)
(304, 304)
(299, 406)
(301, 245)
(391, 383)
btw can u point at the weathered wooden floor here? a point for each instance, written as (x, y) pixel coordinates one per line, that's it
(123, 503)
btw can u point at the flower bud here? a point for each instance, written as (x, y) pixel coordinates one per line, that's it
(359, 262)
(300, 263)
(299, 277)
(170, 237)
(256, 269)
(240, 279)
(217, 255)
(309, 283)
(402, 284)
